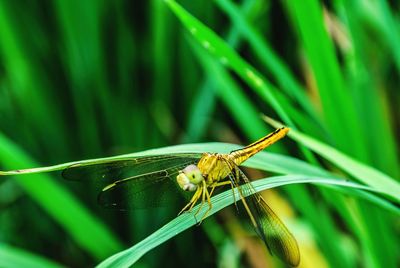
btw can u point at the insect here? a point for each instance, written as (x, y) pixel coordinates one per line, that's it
(130, 183)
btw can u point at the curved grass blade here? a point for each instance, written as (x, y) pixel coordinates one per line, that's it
(194, 148)
(364, 173)
(269, 58)
(129, 256)
(90, 234)
(263, 160)
(15, 257)
(215, 45)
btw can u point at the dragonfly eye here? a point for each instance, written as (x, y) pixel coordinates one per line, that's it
(189, 178)
(193, 173)
(185, 183)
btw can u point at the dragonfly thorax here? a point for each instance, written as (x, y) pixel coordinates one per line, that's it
(189, 178)
(215, 166)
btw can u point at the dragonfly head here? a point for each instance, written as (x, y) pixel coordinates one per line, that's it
(189, 178)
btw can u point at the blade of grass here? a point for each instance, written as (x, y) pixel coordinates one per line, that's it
(339, 112)
(263, 160)
(364, 173)
(242, 110)
(90, 233)
(372, 100)
(83, 62)
(368, 222)
(201, 111)
(29, 90)
(204, 104)
(218, 47)
(273, 162)
(269, 58)
(380, 16)
(129, 256)
(360, 171)
(215, 45)
(270, 162)
(15, 257)
(348, 125)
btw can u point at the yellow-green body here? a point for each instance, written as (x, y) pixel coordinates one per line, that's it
(215, 167)
(212, 169)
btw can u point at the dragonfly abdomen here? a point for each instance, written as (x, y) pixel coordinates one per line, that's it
(241, 155)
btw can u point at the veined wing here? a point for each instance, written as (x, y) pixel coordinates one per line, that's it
(269, 227)
(107, 171)
(134, 182)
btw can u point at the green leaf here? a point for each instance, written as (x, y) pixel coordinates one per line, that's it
(364, 173)
(216, 46)
(263, 160)
(338, 108)
(88, 231)
(269, 58)
(129, 256)
(15, 257)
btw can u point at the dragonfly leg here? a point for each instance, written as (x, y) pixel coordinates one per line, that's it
(232, 181)
(212, 189)
(234, 196)
(203, 194)
(192, 201)
(246, 206)
(222, 184)
(214, 185)
(200, 193)
(208, 196)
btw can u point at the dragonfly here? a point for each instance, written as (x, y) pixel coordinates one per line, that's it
(137, 181)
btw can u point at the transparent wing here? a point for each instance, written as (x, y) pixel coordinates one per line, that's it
(134, 182)
(108, 171)
(269, 227)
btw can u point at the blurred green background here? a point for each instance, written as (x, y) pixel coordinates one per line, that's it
(86, 79)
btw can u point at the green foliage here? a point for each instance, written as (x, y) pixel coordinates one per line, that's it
(14, 257)
(87, 79)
